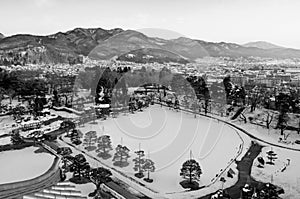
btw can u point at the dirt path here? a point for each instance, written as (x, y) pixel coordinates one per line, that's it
(244, 167)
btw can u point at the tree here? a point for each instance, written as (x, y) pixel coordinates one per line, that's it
(269, 118)
(201, 90)
(271, 156)
(195, 106)
(89, 140)
(38, 106)
(206, 99)
(140, 104)
(148, 166)
(2, 93)
(298, 129)
(100, 175)
(282, 102)
(269, 191)
(235, 94)
(11, 93)
(176, 104)
(165, 76)
(191, 171)
(181, 86)
(66, 159)
(16, 138)
(68, 124)
(228, 88)
(131, 105)
(80, 168)
(121, 155)
(138, 163)
(254, 99)
(18, 111)
(104, 146)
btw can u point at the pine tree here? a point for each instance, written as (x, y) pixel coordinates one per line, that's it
(191, 170)
(148, 166)
(89, 140)
(100, 175)
(121, 155)
(104, 146)
(138, 163)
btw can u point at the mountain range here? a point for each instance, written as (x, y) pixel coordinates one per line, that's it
(127, 45)
(262, 45)
(160, 33)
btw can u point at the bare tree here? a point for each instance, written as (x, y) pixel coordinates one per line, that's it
(269, 118)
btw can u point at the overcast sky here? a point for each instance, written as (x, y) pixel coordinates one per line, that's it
(238, 21)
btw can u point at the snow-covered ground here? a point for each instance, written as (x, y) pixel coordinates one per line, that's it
(271, 135)
(5, 140)
(45, 129)
(170, 137)
(83, 93)
(6, 123)
(64, 114)
(288, 178)
(86, 189)
(23, 164)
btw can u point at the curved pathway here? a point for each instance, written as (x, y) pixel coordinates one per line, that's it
(244, 167)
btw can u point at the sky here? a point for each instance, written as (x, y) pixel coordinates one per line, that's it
(236, 21)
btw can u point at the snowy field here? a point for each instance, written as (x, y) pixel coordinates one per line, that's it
(271, 135)
(63, 114)
(5, 140)
(170, 137)
(288, 178)
(6, 123)
(85, 189)
(23, 164)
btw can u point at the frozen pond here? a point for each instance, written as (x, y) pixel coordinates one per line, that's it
(23, 164)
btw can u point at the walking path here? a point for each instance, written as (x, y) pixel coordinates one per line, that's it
(244, 177)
